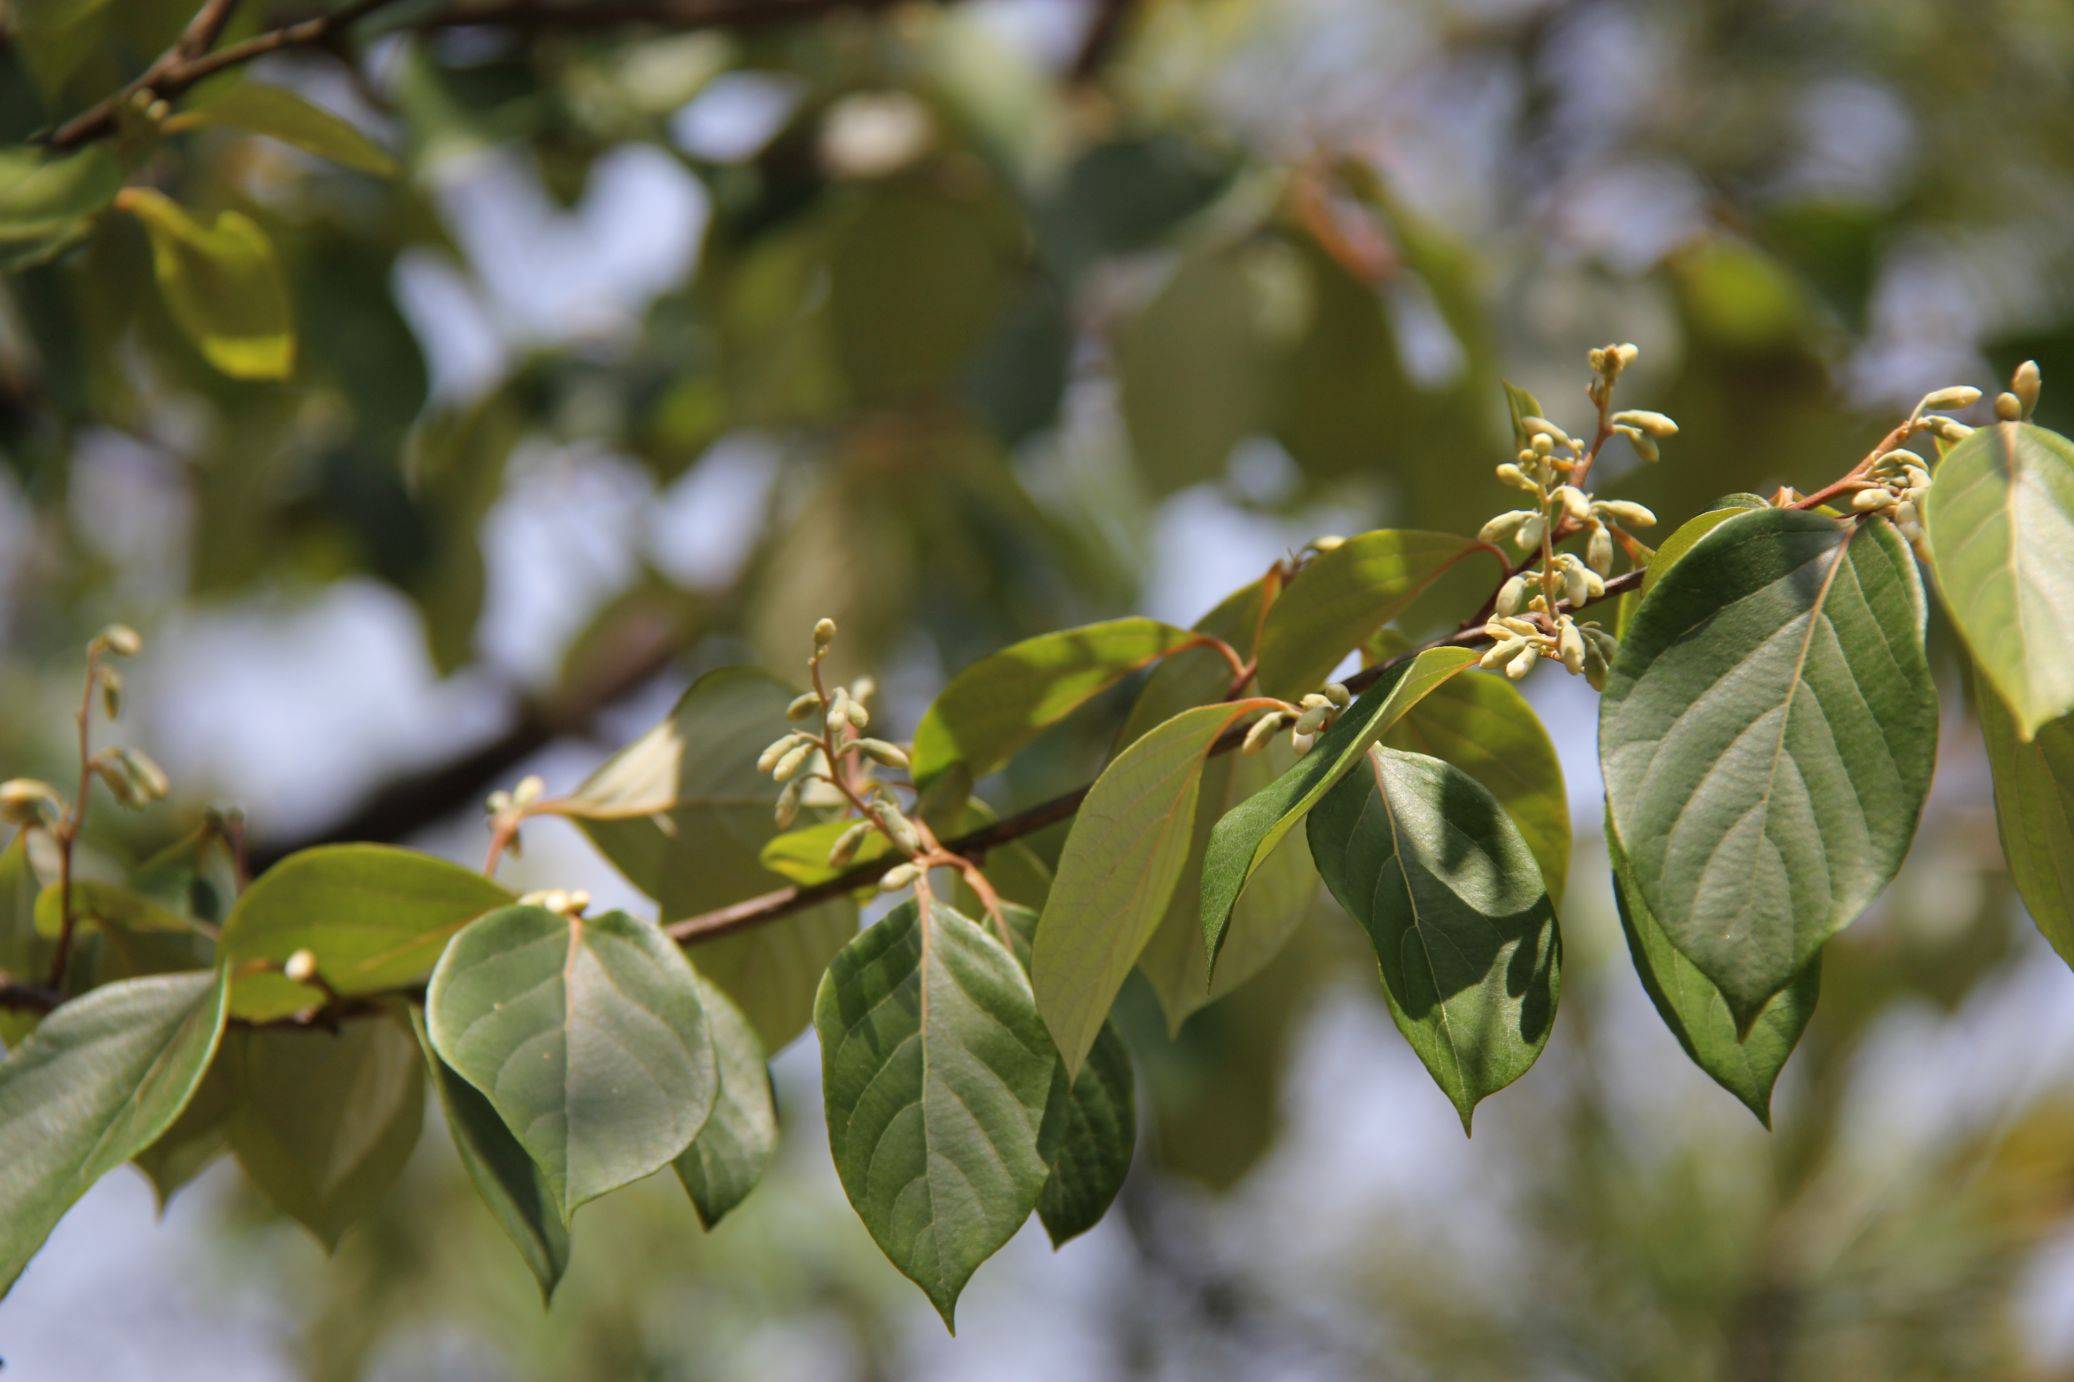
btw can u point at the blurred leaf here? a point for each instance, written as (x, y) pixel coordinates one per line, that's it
(1766, 738)
(196, 1138)
(222, 283)
(458, 464)
(2000, 521)
(325, 1120)
(511, 1186)
(47, 203)
(24, 954)
(1428, 862)
(1116, 872)
(1747, 1065)
(1242, 840)
(1342, 596)
(95, 1084)
(104, 904)
(280, 114)
(1001, 702)
(2034, 812)
(729, 1156)
(935, 1071)
(375, 916)
(543, 1012)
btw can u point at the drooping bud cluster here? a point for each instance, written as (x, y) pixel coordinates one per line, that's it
(1531, 614)
(1896, 481)
(1307, 719)
(832, 762)
(507, 809)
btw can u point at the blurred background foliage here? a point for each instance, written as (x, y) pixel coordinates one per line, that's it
(961, 322)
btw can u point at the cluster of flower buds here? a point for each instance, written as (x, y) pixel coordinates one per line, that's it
(28, 801)
(834, 762)
(507, 809)
(2020, 400)
(131, 774)
(1897, 480)
(1307, 719)
(1518, 645)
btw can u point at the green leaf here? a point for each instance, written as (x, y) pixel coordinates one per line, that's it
(1196, 676)
(1747, 1066)
(2034, 812)
(1004, 700)
(1273, 905)
(1117, 871)
(108, 905)
(95, 1084)
(1344, 595)
(801, 856)
(1484, 726)
(1766, 738)
(375, 916)
(325, 1120)
(195, 1139)
(511, 1186)
(1248, 833)
(729, 1156)
(2000, 522)
(1521, 405)
(547, 1015)
(280, 114)
(24, 955)
(935, 1071)
(1425, 858)
(1673, 551)
(1089, 1131)
(48, 204)
(684, 814)
(222, 284)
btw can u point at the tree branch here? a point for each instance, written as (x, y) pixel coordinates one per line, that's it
(182, 67)
(754, 911)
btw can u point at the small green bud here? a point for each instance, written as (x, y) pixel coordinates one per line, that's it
(802, 706)
(1330, 542)
(898, 877)
(1598, 551)
(25, 801)
(1644, 446)
(2008, 407)
(848, 843)
(1311, 720)
(882, 753)
(1947, 430)
(1627, 511)
(855, 713)
(777, 749)
(792, 760)
(111, 691)
(1648, 423)
(1867, 500)
(1500, 653)
(787, 809)
(1542, 427)
(899, 827)
(838, 709)
(824, 633)
(1338, 695)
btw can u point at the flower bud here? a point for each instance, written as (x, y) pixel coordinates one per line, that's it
(1947, 430)
(1944, 400)
(25, 801)
(883, 753)
(838, 709)
(1646, 422)
(898, 877)
(787, 809)
(1309, 722)
(1510, 474)
(1330, 542)
(301, 967)
(2025, 384)
(1512, 595)
(1570, 643)
(1338, 695)
(1576, 507)
(1867, 500)
(848, 843)
(1500, 653)
(824, 632)
(899, 827)
(1263, 730)
(1627, 511)
(2008, 407)
(1530, 530)
(121, 639)
(1542, 427)
(1302, 743)
(1522, 664)
(803, 705)
(1598, 552)
(1498, 528)
(774, 750)
(1576, 579)
(792, 760)
(111, 691)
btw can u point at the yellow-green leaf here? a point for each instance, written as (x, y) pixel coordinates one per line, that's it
(222, 284)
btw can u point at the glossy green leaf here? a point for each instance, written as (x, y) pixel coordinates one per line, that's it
(222, 284)
(2000, 522)
(96, 1083)
(1273, 905)
(375, 916)
(197, 1137)
(1344, 595)
(278, 113)
(1196, 676)
(1248, 833)
(2034, 813)
(1004, 700)
(1674, 548)
(511, 1186)
(325, 1120)
(729, 1156)
(935, 1072)
(1427, 860)
(684, 814)
(1746, 1065)
(1117, 872)
(1766, 738)
(801, 856)
(546, 1014)
(1484, 726)
(47, 204)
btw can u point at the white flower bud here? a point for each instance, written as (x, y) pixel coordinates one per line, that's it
(1947, 430)
(1518, 668)
(1576, 506)
(1542, 427)
(1510, 474)
(802, 706)
(1498, 528)
(883, 753)
(1302, 743)
(1330, 542)
(848, 843)
(1598, 552)
(1627, 511)
(1263, 730)
(787, 809)
(899, 827)
(1570, 643)
(1628, 352)
(1945, 400)
(1530, 529)
(898, 877)
(776, 749)
(121, 639)
(2025, 384)
(1867, 500)
(25, 801)
(1512, 595)
(1500, 653)
(792, 760)
(824, 632)
(1576, 579)
(1650, 424)
(301, 967)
